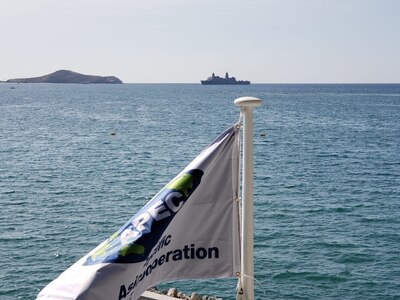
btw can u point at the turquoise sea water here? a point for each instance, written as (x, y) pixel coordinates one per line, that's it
(76, 161)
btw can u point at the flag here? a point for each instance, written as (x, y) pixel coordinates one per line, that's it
(188, 230)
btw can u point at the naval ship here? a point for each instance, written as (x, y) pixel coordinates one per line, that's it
(227, 80)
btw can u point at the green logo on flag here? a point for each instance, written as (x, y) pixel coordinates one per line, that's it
(134, 241)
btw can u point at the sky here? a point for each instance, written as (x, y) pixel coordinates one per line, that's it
(184, 41)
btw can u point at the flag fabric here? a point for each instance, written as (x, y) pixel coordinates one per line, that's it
(189, 230)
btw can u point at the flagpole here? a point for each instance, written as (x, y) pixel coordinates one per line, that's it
(246, 105)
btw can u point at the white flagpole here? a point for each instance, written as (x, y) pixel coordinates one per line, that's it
(247, 241)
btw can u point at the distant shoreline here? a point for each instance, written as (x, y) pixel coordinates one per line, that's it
(256, 83)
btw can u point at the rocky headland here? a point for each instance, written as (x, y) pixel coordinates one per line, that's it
(66, 76)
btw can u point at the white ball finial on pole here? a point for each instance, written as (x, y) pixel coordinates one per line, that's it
(247, 102)
(247, 240)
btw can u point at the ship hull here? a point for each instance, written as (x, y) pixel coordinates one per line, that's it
(205, 82)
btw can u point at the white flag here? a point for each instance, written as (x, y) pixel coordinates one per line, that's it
(189, 230)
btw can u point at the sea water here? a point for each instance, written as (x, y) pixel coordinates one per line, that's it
(77, 161)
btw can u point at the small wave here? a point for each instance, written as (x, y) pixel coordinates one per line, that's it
(336, 245)
(382, 219)
(355, 258)
(311, 276)
(8, 192)
(343, 209)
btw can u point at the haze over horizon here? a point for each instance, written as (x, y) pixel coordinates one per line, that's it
(265, 41)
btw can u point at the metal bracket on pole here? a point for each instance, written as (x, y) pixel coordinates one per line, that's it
(247, 241)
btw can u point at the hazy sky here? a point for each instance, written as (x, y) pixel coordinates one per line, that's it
(266, 41)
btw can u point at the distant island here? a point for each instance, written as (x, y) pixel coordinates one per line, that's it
(227, 80)
(66, 76)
